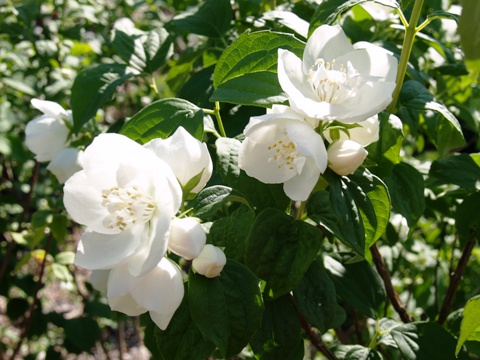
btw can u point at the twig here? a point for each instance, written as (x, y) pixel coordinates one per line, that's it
(33, 308)
(387, 281)
(8, 254)
(455, 278)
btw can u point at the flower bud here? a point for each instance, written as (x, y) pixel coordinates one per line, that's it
(187, 237)
(46, 135)
(210, 262)
(67, 162)
(345, 156)
(189, 159)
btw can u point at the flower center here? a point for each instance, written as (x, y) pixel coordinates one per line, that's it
(332, 85)
(285, 154)
(127, 206)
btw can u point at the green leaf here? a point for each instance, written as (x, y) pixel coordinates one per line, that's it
(459, 169)
(349, 218)
(425, 341)
(406, 187)
(444, 130)
(280, 333)
(467, 220)
(65, 257)
(246, 73)
(385, 153)
(129, 48)
(182, 340)
(470, 35)
(161, 118)
(211, 18)
(93, 87)
(358, 352)
(470, 328)
(315, 297)
(260, 195)
(19, 86)
(280, 250)
(328, 11)
(211, 199)
(231, 233)
(58, 226)
(82, 332)
(158, 48)
(227, 309)
(358, 284)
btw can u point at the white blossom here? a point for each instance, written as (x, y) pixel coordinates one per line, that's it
(126, 196)
(187, 156)
(47, 134)
(210, 262)
(345, 156)
(187, 237)
(365, 133)
(66, 163)
(281, 147)
(335, 80)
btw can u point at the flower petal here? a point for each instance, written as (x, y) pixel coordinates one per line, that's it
(299, 187)
(290, 76)
(49, 108)
(45, 137)
(127, 305)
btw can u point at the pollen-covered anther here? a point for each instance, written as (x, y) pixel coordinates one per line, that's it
(285, 153)
(126, 206)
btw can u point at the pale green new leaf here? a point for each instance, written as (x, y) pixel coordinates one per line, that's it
(470, 328)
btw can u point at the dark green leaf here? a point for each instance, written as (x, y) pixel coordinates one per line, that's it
(231, 233)
(93, 87)
(16, 307)
(358, 284)
(406, 188)
(315, 297)
(211, 18)
(182, 340)
(129, 48)
(280, 250)
(246, 73)
(158, 48)
(470, 34)
(82, 332)
(161, 118)
(385, 152)
(444, 129)
(467, 219)
(425, 341)
(280, 333)
(211, 199)
(460, 170)
(59, 226)
(358, 352)
(227, 309)
(329, 10)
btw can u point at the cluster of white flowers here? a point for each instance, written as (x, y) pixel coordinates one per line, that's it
(335, 83)
(128, 196)
(47, 136)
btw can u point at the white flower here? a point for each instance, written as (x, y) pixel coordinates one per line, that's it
(336, 81)
(187, 237)
(67, 162)
(366, 133)
(210, 262)
(281, 147)
(188, 158)
(345, 156)
(47, 134)
(126, 196)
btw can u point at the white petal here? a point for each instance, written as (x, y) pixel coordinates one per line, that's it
(345, 156)
(67, 162)
(373, 61)
(291, 77)
(49, 108)
(99, 280)
(127, 305)
(149, 254)
(161, 291)
(290, 20)
(308, 143)
(101, 251)
(120, 282)
(187, 237)
(210, 262)
(327, 43)
(300, 187)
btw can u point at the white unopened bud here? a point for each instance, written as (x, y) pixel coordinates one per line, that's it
(66, 163)
(210, 262)
(345, 156)
(187, 237)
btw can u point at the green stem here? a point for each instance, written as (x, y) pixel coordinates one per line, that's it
(216, 113)
(300, 210)
(410, 32)
(153, 85)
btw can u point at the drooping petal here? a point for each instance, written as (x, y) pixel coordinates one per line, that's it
(49, 108)
(67, 162)
(327, 43)
(127, 305)
(160, 291)
(299, 187)
(187, 237)
(99, 280)
(45, 137)
(120, 282)
(153, 248)
(105, 251)
(308, 143)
